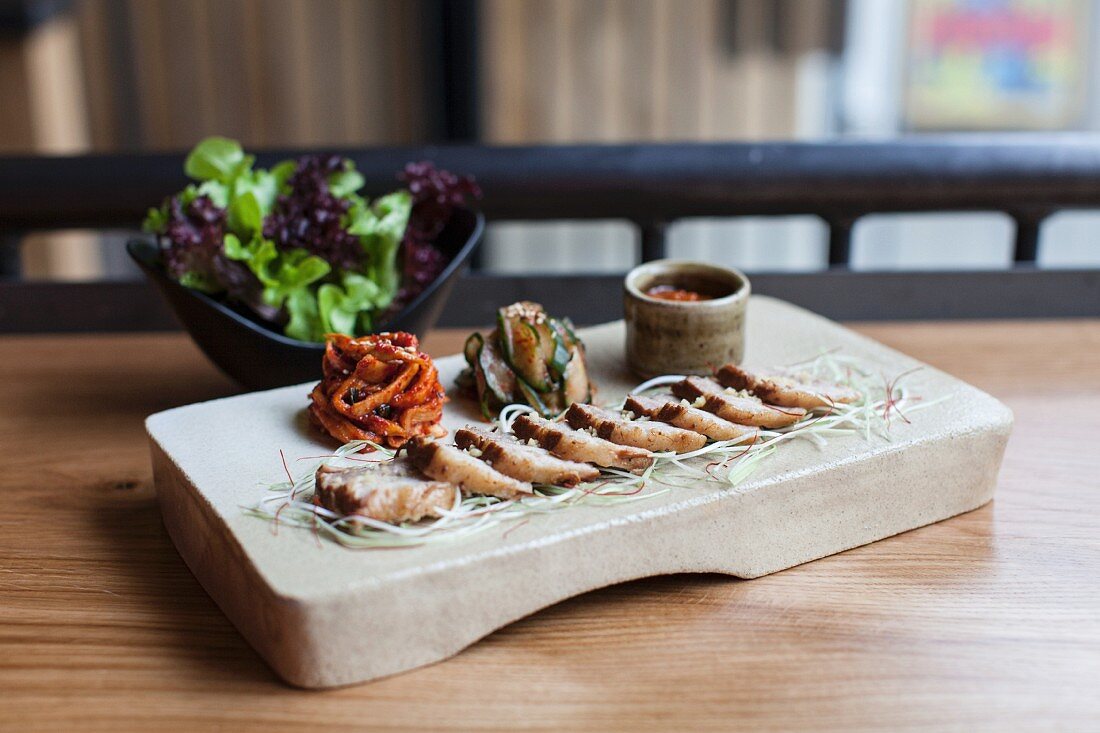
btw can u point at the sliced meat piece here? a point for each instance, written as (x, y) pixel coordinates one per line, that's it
(614, 426)
(391, 491)
(578, 445)
(522, 461)
(784, 390)
(710, 395)
(670, 410)
(447, 463)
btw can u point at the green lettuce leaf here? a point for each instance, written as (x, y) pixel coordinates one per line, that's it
(156, 220)
(346, 182)
(217, 159)
(245, 215)
(294, 270)
(282, 274)
(199, 281)
(305, 321)
(264, 185)
(217, 191)
(380, 227)
(347, 308)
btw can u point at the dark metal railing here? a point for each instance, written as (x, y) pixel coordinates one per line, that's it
(1027, 177)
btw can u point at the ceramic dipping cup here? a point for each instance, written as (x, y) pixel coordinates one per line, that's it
(684, 337)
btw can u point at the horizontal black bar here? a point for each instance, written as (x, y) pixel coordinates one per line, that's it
(103, 305)
(1024, 292)
(643, 183)
(836, 294)
(38, 307)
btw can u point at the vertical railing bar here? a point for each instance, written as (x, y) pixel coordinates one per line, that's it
(840, 240)
(11, 261)
(654, 240)
(1028, 227)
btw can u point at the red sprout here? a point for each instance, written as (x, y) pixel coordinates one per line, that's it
(282, 457)
(275, 519)
(513, 528)
(778, 408)
(708, 469)
(890, 402)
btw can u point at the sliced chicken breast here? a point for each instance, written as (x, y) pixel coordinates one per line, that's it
(391, 491)
(784, 390)
(522, 461)
(447, 463)
(614, 426)
(579, 445)
(670, 410)
(710, 396)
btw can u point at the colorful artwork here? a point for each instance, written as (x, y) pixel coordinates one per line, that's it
(996, 64)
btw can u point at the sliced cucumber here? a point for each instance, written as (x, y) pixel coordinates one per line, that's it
(577, 387)
(505, 326)
(533, 398)
(527, 359)
(473, 347)
(530, 358)
(465, 381)
(555, 349)
(569, 329)
(499, 377)
(483, 392)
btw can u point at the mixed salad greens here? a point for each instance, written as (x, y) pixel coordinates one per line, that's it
(298, 245)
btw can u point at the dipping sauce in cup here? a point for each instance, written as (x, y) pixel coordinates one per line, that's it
(684, 317)
(671, 292)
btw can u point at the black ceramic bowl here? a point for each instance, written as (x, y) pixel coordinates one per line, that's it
(261, 358)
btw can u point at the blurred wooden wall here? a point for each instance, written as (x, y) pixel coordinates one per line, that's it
(614, 70)
(164, 73)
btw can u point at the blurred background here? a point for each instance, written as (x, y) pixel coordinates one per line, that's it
(155, 75)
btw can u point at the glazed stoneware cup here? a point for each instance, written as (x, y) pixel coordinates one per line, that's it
(684, 337)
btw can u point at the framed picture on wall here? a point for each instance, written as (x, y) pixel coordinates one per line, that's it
(996, 64)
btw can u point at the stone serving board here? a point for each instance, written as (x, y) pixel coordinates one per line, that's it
(323, 615)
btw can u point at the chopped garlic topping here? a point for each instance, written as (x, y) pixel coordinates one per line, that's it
(475, 452)
(699, 401)
(685, 403)
(628, 415)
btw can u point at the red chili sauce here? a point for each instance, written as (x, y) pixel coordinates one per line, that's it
(671, 292)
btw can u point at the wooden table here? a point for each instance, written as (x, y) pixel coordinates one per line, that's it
(989, 621)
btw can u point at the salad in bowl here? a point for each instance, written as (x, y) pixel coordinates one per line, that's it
(297, 246)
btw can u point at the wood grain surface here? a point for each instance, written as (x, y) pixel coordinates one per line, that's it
(989, 621)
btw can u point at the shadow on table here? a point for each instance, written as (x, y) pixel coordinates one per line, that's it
(190, 632)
